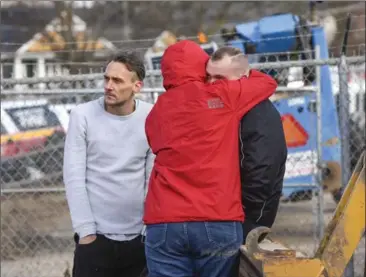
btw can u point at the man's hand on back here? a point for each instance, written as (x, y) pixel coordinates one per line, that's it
(87, 239)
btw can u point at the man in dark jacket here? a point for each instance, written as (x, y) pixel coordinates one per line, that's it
(263, 154)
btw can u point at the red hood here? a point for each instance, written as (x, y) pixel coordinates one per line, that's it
(183, 62)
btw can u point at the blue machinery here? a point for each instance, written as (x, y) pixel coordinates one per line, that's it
(284, 37)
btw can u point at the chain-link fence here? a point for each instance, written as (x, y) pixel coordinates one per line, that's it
(36, 231)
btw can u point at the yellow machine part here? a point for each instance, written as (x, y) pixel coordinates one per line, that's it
(340, 241)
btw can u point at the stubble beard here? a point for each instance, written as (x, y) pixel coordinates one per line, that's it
(120, 104)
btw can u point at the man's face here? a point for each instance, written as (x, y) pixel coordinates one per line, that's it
(216, 69)
(120, 84)
(230, 68)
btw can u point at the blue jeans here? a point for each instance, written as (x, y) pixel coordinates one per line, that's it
(204, 249)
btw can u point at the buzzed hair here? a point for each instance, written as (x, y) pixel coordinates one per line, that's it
(225, 51)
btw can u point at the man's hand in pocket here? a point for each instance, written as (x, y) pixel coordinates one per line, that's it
(87, 239)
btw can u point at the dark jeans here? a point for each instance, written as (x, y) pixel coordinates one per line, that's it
(105, 257)
(204, 249)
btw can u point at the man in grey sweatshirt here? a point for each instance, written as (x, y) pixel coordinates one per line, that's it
(107, 165)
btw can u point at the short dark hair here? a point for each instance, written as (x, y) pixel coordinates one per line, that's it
(225, 51)
(132, 61)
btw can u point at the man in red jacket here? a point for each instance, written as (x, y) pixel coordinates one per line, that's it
(193, 209)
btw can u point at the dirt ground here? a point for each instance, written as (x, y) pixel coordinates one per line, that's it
(36, 235)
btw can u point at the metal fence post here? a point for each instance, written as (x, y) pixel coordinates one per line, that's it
(344, 117)
(320, 197)
(344, 120)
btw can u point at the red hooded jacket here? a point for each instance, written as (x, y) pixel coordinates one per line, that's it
(193, 130)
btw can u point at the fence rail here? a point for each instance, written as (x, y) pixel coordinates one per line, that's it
(267, 65)
(36, 231)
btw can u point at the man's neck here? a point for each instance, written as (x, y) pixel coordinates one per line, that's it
(121, 110)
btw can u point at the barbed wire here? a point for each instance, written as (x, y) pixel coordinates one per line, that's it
(220, 44)
(154, 39)
(361, 47)
(146, 48)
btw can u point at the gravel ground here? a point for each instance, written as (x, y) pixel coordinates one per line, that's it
(37, 239)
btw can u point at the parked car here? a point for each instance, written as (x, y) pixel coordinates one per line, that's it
(28, 132)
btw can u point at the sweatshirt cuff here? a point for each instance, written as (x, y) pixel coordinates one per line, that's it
(86, 229)
(143, 231)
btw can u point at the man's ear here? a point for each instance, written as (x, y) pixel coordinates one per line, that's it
(137, 86)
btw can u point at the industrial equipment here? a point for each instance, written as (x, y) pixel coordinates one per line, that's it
(342, 236)
(286, 37)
